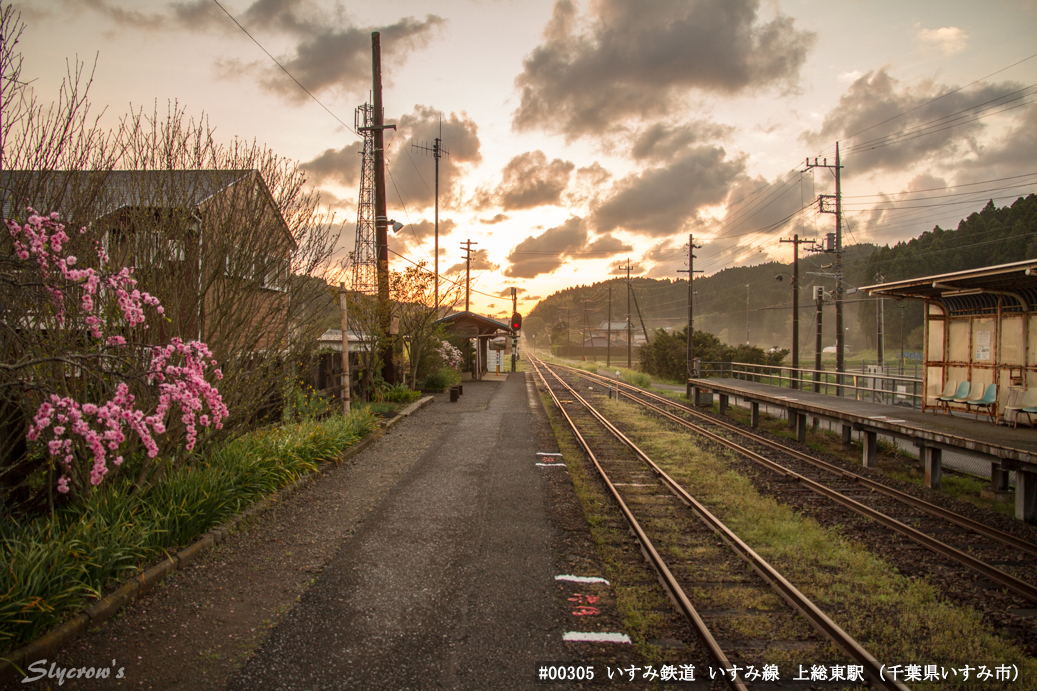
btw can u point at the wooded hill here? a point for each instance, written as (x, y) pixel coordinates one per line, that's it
(991, 236)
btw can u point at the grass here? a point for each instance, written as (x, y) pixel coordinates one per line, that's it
(892, 460)
(898, 619)
(51, 566)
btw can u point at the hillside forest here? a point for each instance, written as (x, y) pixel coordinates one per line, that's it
(753, 304)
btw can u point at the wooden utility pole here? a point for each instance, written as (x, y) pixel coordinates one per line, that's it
(583, 346)
(467, 247)
(608, 326)
(691, 311)
(796, 242)
(381, 221)
(342, 298)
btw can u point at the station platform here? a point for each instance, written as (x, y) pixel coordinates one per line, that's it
(1007, 449)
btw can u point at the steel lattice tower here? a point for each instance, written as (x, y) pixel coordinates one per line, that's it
(364, 270)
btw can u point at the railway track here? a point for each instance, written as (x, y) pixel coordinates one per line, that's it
(694, 552)
(967, 542)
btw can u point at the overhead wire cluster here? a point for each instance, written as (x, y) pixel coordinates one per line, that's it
(907, 207)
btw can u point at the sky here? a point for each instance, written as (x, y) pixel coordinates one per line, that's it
(585, 135)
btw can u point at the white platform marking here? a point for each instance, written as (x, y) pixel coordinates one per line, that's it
(595, 637)
(581, 579)
(542, 453)
(551, 465)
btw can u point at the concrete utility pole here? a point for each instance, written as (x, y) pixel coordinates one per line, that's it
(583, 345)
(437, 151)
(514, 336)
(342, 297)
(467, 247)
(795, 304)
(880, 325)
(840, 333)
(819, 298)
(691, 311)
(381, 221)
(747, 313)
(629, 315)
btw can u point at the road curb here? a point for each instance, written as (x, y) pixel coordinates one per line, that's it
(409, 410)
(13, 663)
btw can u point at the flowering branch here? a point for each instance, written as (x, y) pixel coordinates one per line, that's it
(175, 372)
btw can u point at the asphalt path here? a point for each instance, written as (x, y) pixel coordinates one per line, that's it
(448, 584)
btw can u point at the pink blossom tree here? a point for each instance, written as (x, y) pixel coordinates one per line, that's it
(105, 389)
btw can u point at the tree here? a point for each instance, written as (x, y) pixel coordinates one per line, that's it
(666, 356)
(75, 356)
(228, 238)
(412, 305)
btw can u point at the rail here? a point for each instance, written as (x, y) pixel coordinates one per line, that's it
(879, 388)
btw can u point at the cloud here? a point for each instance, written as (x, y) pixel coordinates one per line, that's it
(480, 262)
(546, 252)
(660, 201)
(619, 268)
(330, 54)
(499, 218)
(413, 170)
(623, 60)
(529, 181)
(414, 235)
(928, 122)
(506, 293)
(662, 142)
(341, 166)
(948, 40)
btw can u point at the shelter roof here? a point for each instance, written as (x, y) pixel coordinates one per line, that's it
(975, 291)
(482, 325)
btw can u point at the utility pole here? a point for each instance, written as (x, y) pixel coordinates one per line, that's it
(514, 336)
(608, 326)
(747, 314)
(342, 297)
(628, 267)
(819, 298)
(437, 151)
(840, 334)
(880, 319)
(795, 305)
(691, 311)
(381, 219)
(583, 345)
(467, 247)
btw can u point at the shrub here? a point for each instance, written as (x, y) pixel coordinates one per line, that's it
(442, 378)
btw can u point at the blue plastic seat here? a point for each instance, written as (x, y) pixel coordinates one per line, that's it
(988, 400)
(960, 396)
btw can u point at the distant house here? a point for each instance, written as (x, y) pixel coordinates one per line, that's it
(212, 245)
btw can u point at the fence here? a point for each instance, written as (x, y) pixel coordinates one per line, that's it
(863, 386)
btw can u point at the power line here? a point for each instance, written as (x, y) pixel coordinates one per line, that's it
(283, 68)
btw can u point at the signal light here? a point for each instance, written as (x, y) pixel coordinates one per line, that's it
(516, 321)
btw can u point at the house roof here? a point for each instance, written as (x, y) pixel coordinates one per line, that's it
(118, 189)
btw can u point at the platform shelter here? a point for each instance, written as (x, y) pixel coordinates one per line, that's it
(475, 326)
(980, 327)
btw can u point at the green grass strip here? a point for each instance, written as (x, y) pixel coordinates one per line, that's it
(900, 620)
(51, 566)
